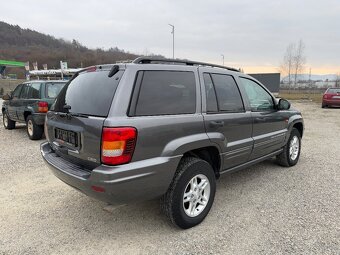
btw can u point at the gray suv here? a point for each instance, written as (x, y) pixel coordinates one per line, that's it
(160, 128)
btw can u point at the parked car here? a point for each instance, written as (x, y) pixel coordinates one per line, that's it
(165, 128)
(331, 97)
(29, 103)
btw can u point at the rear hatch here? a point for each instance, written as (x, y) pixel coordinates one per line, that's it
(75, 122)
(333, 94)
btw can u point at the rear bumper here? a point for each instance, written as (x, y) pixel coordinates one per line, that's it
(39, 118)
(331, 102)
(136, 181)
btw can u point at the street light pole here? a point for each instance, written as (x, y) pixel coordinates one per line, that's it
(173, 40)
(222, 58)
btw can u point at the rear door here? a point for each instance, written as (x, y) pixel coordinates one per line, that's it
(269, 125)
(225, 114)
(23, 101)
(75, 122)
(12, 104)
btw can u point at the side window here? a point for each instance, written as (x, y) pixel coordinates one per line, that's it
(34, 91)
(228, 95)
(24, 91)
(166, 92)
(259, 98)
(210, 93)
(17, 91)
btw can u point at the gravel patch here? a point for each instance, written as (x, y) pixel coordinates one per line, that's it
(265, 209)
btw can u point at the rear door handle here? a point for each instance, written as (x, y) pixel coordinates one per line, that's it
(216, 123)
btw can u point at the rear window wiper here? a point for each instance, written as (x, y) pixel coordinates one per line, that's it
(71, 114)
(113, 71)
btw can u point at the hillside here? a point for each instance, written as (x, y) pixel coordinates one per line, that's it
(29, 45)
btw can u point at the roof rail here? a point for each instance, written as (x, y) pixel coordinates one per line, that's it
(157, 60)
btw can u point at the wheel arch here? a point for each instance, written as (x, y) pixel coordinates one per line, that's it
(26, 114)
(299, 127)
(210, 154)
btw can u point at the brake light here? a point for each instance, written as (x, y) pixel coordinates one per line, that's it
(118, 145)
(91, 69)
(42, 107)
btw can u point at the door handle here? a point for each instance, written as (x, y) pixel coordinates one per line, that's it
(216, 123)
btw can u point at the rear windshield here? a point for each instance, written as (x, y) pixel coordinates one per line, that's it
(53, 89)
(90, 93)
(333, 91)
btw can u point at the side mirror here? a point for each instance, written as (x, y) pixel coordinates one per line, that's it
(283, 104)
(6, 97)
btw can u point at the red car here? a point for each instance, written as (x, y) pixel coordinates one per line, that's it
(331, 97)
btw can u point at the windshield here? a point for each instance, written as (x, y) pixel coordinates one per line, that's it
(90, 93)
(53, 89)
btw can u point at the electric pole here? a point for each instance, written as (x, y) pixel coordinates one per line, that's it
(173, 40)
(222, 59)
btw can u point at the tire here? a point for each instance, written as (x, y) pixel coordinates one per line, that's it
(287, 157)
(172, 203)
(323, 106)
(7, 122)
(34, 131)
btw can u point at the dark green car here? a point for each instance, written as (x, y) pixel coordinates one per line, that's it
(28, 103)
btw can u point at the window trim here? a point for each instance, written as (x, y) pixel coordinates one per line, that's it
(264, 88)
(219, 111)
(137, 88)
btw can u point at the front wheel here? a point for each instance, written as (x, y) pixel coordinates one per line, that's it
(7, 122)
(291, 151)
(191, 193)
(34, 131)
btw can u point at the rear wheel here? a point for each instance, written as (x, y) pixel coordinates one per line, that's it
(323, 106)
(191, 193)
(7, 122)
(34, 131)
(291, 151)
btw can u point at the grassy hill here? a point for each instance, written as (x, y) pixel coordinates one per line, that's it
(29, 45)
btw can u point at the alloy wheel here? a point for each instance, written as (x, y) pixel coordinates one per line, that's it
(196, 195)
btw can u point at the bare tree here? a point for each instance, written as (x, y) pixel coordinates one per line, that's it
(337, 80)
(299, 60)
(287, 64)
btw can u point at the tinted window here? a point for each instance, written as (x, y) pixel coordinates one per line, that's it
(259, 98)
(17, 91)
(24, 91)
(34, 91)
(53, 89)
(228, 96)
(210, 93)
(90, 93)
(166, 92)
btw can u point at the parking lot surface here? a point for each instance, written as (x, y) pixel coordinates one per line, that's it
(265, 209)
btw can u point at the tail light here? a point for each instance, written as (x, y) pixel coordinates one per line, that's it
(43, 107)
(118, 145)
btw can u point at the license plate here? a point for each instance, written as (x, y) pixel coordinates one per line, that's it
(336, 97)
(65, 136)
